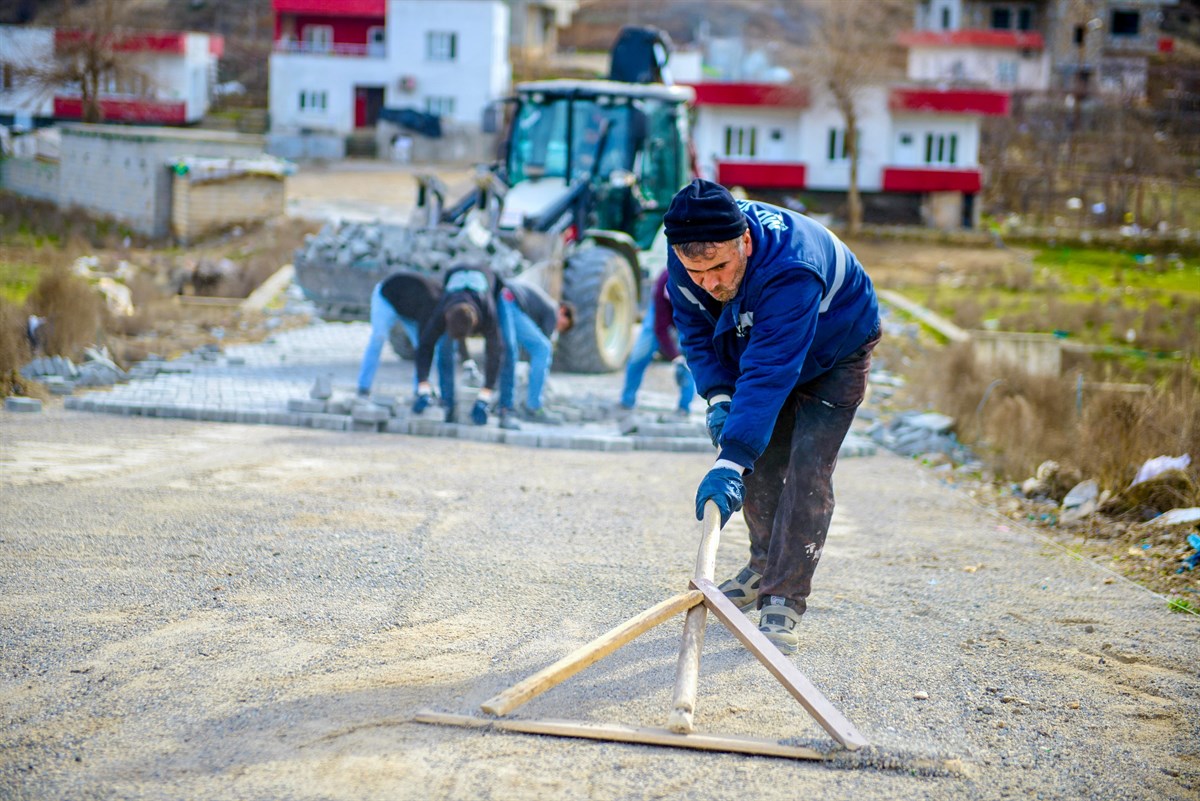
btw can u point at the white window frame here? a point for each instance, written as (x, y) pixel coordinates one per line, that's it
(313, 101)
(941, 149)
(441, 46)
(837, 149)
(318, 38)
(439, 105)
(740, 142)
(1007, 72)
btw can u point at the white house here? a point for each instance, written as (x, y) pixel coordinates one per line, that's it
(338, 63)
(175, 74)
(920, 144)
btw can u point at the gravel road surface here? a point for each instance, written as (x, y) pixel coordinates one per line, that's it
(217, 611)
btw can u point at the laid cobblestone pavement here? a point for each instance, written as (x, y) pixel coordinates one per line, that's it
(271, 383)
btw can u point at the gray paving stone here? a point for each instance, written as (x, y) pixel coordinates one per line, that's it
(600, 443)
(15, 404)
(398, 426)
(481, 434)
(361, 425)
(367, 413)
(331, 422)
(528, 439)
(306, 405)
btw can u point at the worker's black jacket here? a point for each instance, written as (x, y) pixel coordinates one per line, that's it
(412, 295)
(536, 304)
(480, 293)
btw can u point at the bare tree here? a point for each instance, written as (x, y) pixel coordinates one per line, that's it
(89, 54)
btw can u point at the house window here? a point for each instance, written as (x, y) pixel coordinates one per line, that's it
(1006, 73)
(1024, 19)
(1001, 19)
(441, 46)
(945, 18)
(318, 38)
(313, 101)
(906, 139)
(6, 76)
(1125, 23)
(941, 148)
(1078, 36)
(839, 149)
(439, 106)
(741, 142)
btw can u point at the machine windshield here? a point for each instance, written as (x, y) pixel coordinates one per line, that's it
(539, 139)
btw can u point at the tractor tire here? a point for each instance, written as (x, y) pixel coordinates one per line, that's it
(404, 349)
(600, 282)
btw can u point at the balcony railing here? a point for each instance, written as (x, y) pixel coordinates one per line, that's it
(378, 50)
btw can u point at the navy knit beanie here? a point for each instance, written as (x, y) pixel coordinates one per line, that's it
(703, 212)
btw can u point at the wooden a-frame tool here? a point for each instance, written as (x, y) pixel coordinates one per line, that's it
(702, 596)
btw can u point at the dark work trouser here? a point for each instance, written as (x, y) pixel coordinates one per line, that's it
(789, 496)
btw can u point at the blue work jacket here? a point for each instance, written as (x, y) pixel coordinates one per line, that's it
(804, 303)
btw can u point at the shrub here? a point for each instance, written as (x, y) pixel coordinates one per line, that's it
(71, 308)
(14, 347)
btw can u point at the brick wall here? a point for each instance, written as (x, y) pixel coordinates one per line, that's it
(201, 207)
(30, 177)
(122, 172)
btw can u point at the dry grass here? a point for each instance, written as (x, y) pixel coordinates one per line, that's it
(1016, 421)
(72, 309)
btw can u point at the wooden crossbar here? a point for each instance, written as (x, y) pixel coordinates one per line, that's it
(628, 734)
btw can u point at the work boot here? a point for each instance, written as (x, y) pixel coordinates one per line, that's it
(778, 620)
(742, 589)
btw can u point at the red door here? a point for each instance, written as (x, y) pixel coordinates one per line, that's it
(360, 107)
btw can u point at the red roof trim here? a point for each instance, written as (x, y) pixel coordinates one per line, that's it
(333, 8)
(166, 112)
(952, 101)
(216, 45)
(156, 42)
(1014, 40)
(908, 179)
(751, 94)
(762, 174)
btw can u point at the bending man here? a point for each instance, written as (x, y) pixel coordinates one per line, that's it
(777, 319)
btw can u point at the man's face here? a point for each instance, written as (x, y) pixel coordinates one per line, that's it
(720, 272)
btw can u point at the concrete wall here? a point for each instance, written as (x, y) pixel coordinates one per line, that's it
(1002, 68)
(30, 177)
(203, 207)
(1037, 354)
(122, 172)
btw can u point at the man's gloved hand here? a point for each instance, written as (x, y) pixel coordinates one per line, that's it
(422, 402)
(714, 418)
(723, 486)
(681, 371)
(479, 413)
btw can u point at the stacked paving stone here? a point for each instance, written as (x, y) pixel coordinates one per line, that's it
(61, 376)
(383, 248)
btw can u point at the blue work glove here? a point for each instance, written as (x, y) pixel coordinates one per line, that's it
(723, 486)
(479, 413)
(681, 372)
(422, 402)
(714, 418)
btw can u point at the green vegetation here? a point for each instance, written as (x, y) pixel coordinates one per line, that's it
(17, 280)
(1183, 605)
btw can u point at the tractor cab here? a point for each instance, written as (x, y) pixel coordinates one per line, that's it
(622, 146)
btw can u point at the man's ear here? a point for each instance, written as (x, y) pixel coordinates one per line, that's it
(748, 243)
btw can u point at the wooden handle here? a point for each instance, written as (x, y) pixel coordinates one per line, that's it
(687, 669)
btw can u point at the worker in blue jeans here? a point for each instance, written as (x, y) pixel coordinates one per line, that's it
(529, 321)
(406, 298)
(657, 336)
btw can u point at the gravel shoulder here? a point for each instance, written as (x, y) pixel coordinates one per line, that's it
(221, 611)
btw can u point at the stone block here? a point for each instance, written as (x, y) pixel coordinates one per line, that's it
(481, 434)
(397, 426)
(585, 442)
(527, 439)
(284, 419)
(22, 405)
(554, 440)
(339, 405)
(74, 402)
(369, 413)
(330, 422)
(322, 388)
(306, 406)
(422, 427)
(235, 361)
(364, 426)
(61, 387)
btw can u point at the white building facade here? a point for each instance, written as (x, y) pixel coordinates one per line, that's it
(175, 71)
(338, 63)
(915, 141)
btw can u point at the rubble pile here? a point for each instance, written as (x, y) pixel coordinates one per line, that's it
(61, 376)
(384, 247)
